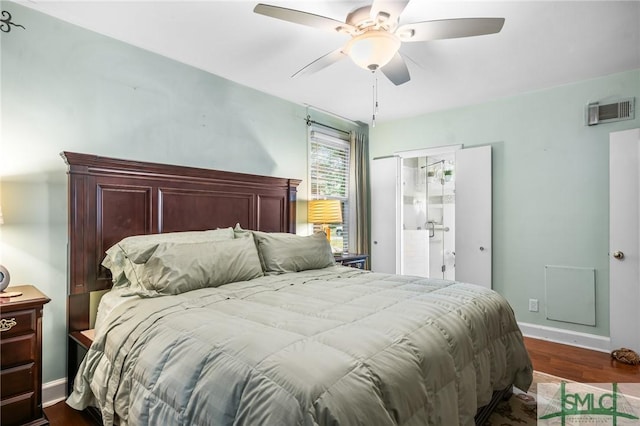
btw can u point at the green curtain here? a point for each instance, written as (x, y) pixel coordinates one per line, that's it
(360, 185)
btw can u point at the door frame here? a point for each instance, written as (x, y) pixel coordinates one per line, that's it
(414, 153)
(624, 235)
(426, 152)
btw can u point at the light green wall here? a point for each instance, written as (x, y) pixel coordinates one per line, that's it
(550, 182)
(66, 88)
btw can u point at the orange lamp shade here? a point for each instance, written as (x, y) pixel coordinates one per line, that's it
(325, 211)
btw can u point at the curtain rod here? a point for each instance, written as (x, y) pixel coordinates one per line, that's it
(310, 122)
(339, 117)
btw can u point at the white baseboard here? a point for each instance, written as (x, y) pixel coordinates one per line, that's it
(54, 392)
(567, 337)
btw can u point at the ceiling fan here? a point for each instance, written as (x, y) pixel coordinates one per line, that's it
(376, 34)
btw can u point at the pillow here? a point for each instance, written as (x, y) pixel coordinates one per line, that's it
(238, 232)
(120, 256)
(282, 252)
(175, 268)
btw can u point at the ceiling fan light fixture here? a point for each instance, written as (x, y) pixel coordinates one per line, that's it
(373, 49)
(376, 35)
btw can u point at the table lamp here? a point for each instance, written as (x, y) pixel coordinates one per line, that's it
(325, 212)
(4, 275)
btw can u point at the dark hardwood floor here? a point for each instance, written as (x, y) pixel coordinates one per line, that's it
(580, 365)
(61, 414)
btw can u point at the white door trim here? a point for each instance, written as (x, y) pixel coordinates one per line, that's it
(428, 152)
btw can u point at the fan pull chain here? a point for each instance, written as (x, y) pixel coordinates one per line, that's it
(375, 100)
(376, 96)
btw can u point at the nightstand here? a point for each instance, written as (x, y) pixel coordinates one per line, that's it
(79, 344)
(21, 357)
(353, 260)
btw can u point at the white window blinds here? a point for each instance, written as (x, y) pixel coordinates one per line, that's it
(329, 178)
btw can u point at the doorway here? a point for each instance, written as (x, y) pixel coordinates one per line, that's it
(428, 216)
(431, 213)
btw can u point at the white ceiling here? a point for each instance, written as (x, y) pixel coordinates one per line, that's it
(542, 44)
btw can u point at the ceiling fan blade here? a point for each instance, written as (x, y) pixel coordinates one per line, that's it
(449, 28)
(392, 7)
(322, 62)
(396, 70)
(300, 17)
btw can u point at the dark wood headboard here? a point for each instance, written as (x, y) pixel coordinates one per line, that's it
(110, 199)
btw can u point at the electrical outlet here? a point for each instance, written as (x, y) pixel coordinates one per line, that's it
(533, 305)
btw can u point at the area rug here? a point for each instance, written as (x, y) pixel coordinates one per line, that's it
(521, 408)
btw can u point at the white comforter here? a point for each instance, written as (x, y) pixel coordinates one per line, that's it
(336, 346)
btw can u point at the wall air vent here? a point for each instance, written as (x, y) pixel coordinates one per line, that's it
(624, 109)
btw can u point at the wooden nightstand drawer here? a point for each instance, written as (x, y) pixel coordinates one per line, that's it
(20, 409)
(18, 350)
(17, 380)
(21, 358)
(18, 322)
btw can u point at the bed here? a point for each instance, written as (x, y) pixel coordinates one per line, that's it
(281, 336)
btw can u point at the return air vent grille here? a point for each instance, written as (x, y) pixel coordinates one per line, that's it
(621, 110)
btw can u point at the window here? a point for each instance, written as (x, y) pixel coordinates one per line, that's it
(329, 178)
